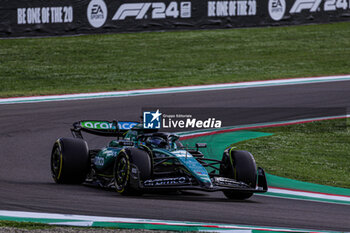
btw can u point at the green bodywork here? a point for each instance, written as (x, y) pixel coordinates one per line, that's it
(104, 160)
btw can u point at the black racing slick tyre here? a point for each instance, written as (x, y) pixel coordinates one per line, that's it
(123, 167)
(70, 161)
(239, 165)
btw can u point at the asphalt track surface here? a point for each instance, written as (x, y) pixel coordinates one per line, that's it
(27, 132)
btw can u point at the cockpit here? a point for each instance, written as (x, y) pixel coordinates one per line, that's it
(166, 141)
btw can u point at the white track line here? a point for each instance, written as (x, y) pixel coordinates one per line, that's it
(302, 193)
(267, 83)
(85, 220)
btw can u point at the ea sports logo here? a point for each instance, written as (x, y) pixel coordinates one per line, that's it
(277, 8)
(97, 13)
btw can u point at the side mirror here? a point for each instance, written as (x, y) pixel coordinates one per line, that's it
(201, 145)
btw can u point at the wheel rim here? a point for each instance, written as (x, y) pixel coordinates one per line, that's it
(121, 174)
(56, 162)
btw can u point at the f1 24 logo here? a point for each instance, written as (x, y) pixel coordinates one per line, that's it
(300, 5)
(314, 5)
(159, 10)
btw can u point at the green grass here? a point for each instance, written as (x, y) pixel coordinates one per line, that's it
(17, 226)
(38, 66)
(25, 225)
(317, 152)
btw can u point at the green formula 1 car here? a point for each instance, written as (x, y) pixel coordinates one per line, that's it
(141, 160)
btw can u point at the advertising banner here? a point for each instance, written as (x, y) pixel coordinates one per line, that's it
(20, 18)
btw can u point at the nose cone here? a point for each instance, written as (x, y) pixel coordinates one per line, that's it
(207, 184)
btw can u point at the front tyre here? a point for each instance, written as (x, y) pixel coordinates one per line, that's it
(122, 169)
(70, 161)
(239, 165)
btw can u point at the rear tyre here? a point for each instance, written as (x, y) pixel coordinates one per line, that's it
(239, 165)
(70, 161)
(122, 169)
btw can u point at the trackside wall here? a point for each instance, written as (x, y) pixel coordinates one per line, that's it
(21, 18)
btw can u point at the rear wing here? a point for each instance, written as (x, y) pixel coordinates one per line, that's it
(102, 128)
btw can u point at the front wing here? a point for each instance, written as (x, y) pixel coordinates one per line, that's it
(189, 183)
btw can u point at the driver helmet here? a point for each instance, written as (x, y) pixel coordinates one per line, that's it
(157, 142)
